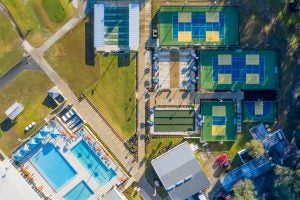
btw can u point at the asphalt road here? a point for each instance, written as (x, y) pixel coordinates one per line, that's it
(25, 64)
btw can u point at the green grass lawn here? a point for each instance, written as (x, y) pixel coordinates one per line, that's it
(131, 193)
(114, 92)
(55, 10)
(70, 63)
(37, 23)
(11, 49)
(109, 82)
(231, 148)
(158, 146)
(33, 98)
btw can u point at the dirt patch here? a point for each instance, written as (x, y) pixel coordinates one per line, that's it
(174, 74)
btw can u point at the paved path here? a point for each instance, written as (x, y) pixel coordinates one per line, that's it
(218, 95)
(89, 115)
(143, 63)
(24, 64)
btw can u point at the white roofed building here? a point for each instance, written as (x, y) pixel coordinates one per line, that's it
(114, 194)
(116, 28)
(13, 111)
(180, 172)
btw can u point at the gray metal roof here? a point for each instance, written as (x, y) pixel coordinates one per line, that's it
(54, 92)
(114, 194)
(98, 25)
(13, 111)
(180, 172)
(134, 27)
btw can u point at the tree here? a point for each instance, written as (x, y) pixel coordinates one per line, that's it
(244, 190)
(287, 183)
(255, 148)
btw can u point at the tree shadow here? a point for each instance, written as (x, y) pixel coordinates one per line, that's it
(50, 103)
(89, 43)
(124, 60)
(213, 194)
(7, 124)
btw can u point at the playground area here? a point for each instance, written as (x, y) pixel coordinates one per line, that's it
(239, 69)
(219, 121)
(174, 120)
(259, 111)
(184, 25)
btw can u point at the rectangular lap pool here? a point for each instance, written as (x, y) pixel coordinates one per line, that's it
(80, 192)
(92, 163)
(53, 166)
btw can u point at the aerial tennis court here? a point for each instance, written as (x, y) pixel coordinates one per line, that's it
(184, 25)
(219, 121)
(259, 111)
(174, 120)
(239, 69)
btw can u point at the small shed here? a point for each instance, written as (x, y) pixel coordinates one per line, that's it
(13, 111)
(56, 95)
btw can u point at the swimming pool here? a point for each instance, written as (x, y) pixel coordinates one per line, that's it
(80, 192)
(53, 166)
(92, 163)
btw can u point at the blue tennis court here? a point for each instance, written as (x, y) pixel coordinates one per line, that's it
(238, 69)
(198, 26)
(218, 120)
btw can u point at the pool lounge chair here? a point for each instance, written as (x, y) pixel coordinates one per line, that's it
(64, 118)
(68, 115)
(71, 112)
(72, 121)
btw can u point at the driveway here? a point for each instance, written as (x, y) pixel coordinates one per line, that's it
(25, 64)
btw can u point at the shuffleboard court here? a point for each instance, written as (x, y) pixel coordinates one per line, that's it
(174, 120)
(239, 69)
(187, 25)
(219, 121)
(259, 111)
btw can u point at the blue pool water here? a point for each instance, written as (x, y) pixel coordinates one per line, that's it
(92, 163)
(53, 166)
(80, 192)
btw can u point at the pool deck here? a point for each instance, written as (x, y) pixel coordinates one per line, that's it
(10, 183)
(82, 172)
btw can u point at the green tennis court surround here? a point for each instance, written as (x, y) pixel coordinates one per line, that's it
(216, 127)
(185, 25)
(267, 112)
(174, 120)
(239, 69)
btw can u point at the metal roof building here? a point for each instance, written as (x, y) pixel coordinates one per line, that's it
(180, 172)
(13, 111)
(134, 26)
(114, 194)
(99, 25)
(116, 28)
